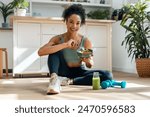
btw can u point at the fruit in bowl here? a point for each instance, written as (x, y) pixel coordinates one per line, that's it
(85, 53)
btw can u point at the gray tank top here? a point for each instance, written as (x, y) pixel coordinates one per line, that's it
(71, 55)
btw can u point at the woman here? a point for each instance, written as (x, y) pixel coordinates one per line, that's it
(63, 59)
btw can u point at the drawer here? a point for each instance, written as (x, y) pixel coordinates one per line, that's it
(53, 28)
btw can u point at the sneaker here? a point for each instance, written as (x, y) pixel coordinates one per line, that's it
(54, 85)
(64, 81)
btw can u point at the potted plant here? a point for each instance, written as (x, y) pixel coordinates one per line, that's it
(5, 10)
(21, 7)
(99, 14)
(115, 14)
(136, 22)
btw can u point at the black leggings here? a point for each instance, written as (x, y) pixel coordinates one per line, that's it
(80, 76)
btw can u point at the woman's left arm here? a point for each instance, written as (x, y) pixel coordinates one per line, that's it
(88, 61)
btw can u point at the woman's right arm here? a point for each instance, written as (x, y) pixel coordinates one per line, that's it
(52, 46)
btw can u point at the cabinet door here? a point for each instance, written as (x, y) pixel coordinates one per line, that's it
(97, 34)
(26, 45)
(43, 64)
(100, 59)
(28, 35)
(27, 61)
(48, 31)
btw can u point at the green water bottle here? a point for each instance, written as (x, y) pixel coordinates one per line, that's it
(96, 81)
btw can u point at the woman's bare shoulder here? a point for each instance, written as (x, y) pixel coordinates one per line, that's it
(87, 43)
(56, 39)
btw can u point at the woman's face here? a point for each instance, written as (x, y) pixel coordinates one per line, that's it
(73, 23)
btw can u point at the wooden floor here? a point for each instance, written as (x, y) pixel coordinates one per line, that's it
(35, 89)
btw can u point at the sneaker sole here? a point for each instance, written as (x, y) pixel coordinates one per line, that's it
(64, 84)
(51, 92)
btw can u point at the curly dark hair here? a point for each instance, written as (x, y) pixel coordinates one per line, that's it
(75, 9)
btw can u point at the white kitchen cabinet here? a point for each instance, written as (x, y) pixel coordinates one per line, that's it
(31, 33)
(53, 28)
(99, 34)
(26, 38)
(101, 59)
(49, 30)
(28, 32)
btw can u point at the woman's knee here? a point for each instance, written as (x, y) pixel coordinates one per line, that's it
(107, 75)
(53, 59)
(53, 56)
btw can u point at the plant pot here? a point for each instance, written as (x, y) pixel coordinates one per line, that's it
(143, 67)
(5, 25)
(20, 12)
(115, 18)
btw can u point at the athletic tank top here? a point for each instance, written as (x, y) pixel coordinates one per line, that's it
(71, 55)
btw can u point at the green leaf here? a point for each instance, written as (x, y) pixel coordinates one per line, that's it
(137, 32)
(6, 10)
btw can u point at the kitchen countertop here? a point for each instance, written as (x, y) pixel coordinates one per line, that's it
(5, 29)
(48, 19)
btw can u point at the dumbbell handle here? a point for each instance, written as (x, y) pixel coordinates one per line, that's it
(116, 83)
(122, 84)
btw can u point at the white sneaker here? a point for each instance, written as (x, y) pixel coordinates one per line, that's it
(64, 81)
(54, 85)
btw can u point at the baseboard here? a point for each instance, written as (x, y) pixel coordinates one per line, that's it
(113, 68)
(9, 70)
(29, 75)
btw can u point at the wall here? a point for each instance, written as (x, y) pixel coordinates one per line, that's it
(120, 60)
(47, 10)
(6, 42)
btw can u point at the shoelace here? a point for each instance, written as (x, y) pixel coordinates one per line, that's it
(53, 80)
